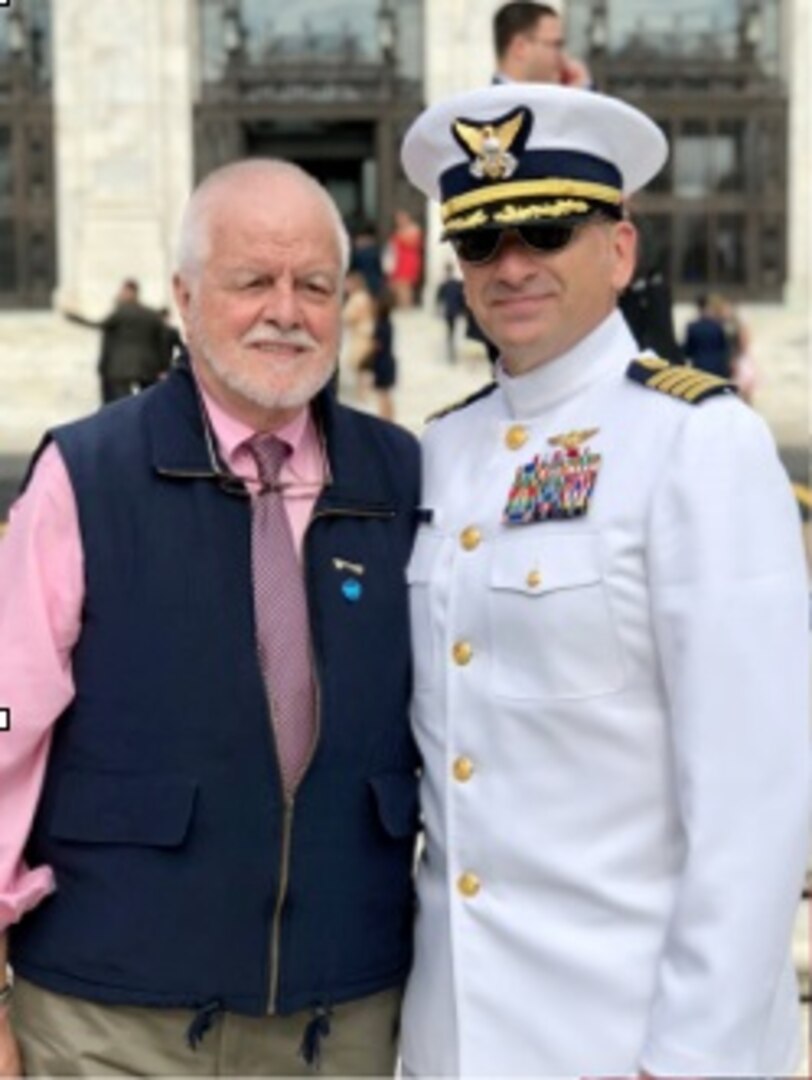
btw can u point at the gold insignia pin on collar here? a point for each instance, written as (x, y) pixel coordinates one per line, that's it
(490, 145)
(571, 440)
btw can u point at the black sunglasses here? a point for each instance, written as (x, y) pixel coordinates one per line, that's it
(480, 246)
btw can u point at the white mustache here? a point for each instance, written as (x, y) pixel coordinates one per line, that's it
(297, 339)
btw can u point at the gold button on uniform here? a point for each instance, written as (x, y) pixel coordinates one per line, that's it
(462, 652)
(470, 538)
(463, 769)
(534, 579)
(516, 437)
(468, 884)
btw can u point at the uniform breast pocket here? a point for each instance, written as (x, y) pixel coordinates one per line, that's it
(553, 635)
(421, 575)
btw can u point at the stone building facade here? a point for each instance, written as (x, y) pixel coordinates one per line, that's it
(147, 95)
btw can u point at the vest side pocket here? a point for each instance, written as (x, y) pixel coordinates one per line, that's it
(111, 808)
(397, 802)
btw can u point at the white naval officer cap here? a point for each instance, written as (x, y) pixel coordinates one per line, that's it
(522, 153)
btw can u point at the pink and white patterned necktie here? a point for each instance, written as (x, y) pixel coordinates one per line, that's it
(282, 624)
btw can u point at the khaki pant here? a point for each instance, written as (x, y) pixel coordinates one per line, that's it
(67, 1036)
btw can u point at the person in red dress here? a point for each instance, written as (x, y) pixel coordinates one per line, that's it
(405, 257)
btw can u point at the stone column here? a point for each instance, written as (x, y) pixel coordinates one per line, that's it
(459, 56)
(123, 115)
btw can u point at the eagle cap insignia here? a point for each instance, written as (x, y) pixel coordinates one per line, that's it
(494, 147)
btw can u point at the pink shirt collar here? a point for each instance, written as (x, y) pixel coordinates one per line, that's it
(304, 466)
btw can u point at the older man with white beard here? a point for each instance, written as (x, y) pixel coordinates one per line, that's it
(208, 790)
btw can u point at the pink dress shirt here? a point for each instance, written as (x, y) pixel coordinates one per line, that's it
(41, 598)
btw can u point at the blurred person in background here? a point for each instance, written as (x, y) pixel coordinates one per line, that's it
(404, 259)
(450, 300)
(358, 316)
(646, 303)
(366, 258)
(384, 362)
(530, 46)
(707, 345)
(133, 349)
(739, 339)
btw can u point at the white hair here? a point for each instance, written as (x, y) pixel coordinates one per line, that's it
(194, 238)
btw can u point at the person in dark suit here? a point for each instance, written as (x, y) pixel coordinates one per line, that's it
(133, 348)
(450, 299)
(384, 363)
(366, 258)
(646, 303)
(706, 344)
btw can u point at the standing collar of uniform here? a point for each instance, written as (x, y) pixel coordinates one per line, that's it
(607, 350)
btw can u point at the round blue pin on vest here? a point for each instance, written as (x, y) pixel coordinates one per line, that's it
(352, 590)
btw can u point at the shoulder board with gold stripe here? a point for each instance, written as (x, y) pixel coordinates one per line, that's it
(457, 405)
(678, 380)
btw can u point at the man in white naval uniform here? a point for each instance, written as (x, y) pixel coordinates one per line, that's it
(609, 616)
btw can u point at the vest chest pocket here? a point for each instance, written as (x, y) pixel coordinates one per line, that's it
(552, 630)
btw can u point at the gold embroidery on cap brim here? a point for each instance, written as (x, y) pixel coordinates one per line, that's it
(520, 189)
(470, 221)
(511, 215)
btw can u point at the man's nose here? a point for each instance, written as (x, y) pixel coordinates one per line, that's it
(282, 306)
(515, 262)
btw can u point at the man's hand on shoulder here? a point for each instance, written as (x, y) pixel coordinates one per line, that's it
(10, 1061)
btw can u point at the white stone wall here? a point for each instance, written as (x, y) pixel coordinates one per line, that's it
(123, 112)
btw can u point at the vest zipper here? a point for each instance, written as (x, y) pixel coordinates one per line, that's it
(290, 801)
(287, 829)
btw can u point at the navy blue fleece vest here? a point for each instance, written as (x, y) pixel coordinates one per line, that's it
(162, 812)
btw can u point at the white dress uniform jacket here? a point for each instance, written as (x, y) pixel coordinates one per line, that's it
(613, 713)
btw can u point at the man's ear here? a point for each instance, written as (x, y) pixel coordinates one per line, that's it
(181, 292)
(624, 254)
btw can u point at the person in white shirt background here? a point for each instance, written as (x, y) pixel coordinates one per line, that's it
(530, 46)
